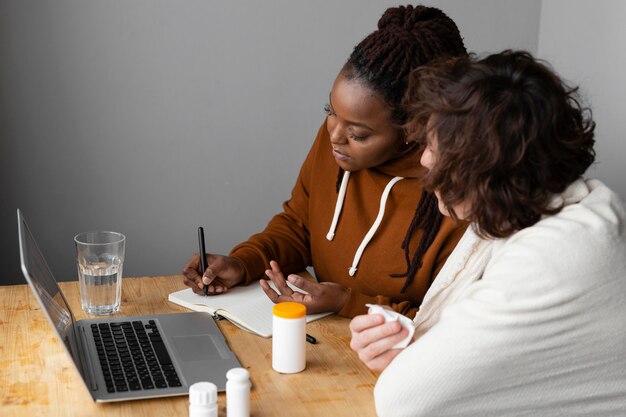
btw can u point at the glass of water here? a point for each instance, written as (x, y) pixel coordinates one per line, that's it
(100, 257)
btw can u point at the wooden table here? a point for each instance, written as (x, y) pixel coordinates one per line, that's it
(38, 379)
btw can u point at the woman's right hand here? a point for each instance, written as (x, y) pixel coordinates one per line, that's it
(373, 340)
(222, 273)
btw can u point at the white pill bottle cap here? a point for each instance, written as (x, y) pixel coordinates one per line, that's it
(203, 400)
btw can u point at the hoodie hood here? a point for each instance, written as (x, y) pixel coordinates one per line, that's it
(406, 165)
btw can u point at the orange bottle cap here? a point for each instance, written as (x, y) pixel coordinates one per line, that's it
(289, 310)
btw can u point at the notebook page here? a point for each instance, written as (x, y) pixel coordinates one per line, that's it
(247, 307)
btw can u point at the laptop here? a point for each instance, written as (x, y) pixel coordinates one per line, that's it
(129, 358)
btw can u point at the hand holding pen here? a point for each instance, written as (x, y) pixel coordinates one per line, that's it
(215, 273)
(213, 279)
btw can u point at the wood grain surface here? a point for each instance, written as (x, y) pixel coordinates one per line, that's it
(38, 379)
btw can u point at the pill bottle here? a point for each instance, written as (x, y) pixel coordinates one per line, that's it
(203, 400)
(289, 337)
(238, 393)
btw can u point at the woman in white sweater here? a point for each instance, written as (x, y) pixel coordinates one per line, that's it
(528, 315)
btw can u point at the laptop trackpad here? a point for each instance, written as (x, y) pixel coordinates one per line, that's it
(196, 348)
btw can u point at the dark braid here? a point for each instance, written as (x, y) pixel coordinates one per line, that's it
(407, 37)
(339, 178)
(427, 217)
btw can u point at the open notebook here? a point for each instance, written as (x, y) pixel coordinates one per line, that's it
(247, 307)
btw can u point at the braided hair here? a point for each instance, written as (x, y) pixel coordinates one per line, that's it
(407, 37)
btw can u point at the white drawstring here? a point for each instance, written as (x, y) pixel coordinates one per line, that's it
(370, 233)
(339, 205)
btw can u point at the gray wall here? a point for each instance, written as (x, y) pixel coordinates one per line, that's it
(585, 42)
(152, 118)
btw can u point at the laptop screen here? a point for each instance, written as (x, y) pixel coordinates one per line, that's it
(40, 278)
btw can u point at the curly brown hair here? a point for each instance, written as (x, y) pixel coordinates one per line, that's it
(509, 132)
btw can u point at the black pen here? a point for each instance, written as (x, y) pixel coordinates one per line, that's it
(202, 253)
(310, 339)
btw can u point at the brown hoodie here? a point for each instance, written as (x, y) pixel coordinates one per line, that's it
(299, 236)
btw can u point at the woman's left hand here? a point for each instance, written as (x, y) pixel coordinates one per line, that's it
(374, 340)
(322, 297)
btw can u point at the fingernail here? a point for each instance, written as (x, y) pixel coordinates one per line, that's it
(292, 278)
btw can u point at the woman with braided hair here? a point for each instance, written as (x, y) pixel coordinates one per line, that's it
(358, 213)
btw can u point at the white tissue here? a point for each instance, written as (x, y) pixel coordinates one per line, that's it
(391, 315)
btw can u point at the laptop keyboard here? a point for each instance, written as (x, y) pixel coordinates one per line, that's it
(133, 356)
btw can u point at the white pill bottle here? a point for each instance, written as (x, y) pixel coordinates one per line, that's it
(289, 337)
(238, 393)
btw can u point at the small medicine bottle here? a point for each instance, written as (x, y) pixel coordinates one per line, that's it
(289, 337)
(203, 400)
(238, 393)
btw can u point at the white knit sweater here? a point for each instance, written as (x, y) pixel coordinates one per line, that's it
(531, 325)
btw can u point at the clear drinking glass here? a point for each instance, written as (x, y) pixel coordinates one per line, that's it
(100, 257)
